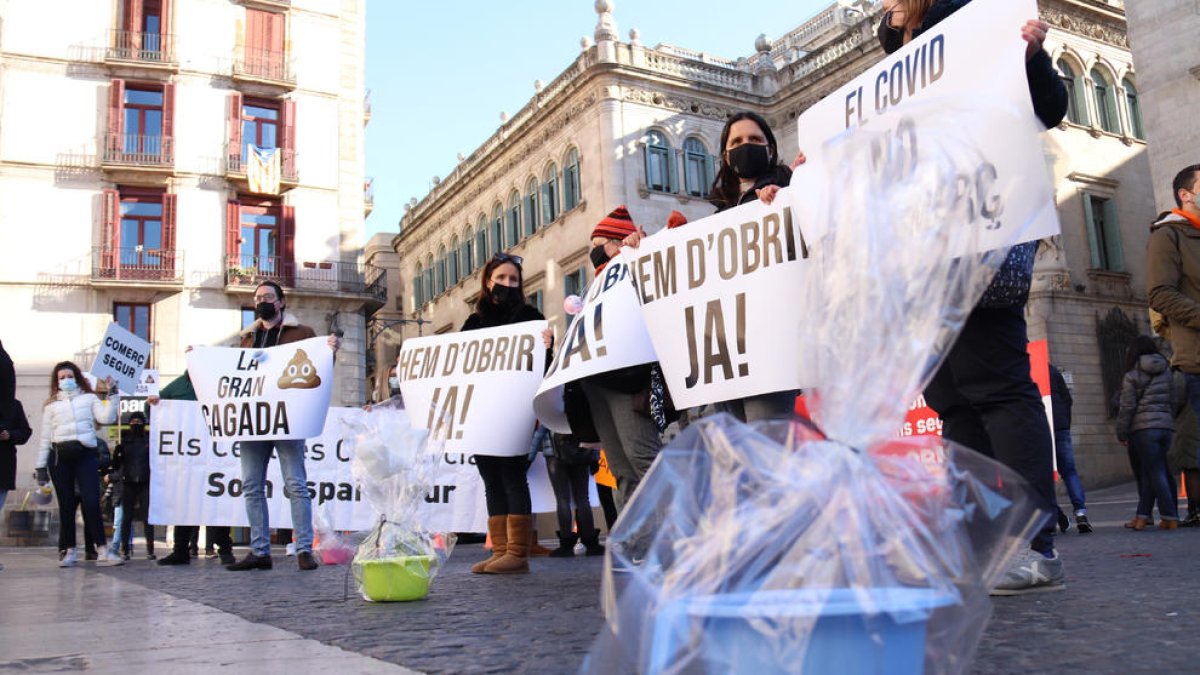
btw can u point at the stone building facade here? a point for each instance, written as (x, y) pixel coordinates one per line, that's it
(126, 187)
(629, 124)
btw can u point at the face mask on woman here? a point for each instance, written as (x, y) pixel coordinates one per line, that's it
(394, 382)
(599, 256)
(750, 160)
(505, 295)
(68, 384)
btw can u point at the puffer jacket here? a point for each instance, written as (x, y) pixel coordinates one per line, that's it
(1147, 397)
(1173, 283)
(73, 417)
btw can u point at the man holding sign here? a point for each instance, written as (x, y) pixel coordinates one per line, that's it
(983, 391)
(251, 407)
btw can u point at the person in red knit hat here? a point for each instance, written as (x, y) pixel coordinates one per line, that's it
(627, 433)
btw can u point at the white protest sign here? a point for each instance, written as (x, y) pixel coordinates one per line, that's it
(263, 394)
(122, 357)
(971, 68)
(147, 384)
(198, 481)
(475, 389)
(703, 285)
(608, 334)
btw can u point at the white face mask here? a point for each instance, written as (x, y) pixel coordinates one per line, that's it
(67, 384)
(394, 382)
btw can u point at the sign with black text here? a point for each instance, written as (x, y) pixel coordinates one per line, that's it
(122, 357)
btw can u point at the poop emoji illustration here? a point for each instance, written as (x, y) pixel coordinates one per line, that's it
(300, 373)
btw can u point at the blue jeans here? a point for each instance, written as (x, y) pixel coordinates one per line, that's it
(255, 457)
(118, 520)
(1151, 446)
(1065, 456)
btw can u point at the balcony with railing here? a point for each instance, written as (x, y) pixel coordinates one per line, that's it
(137, 47)
(265, 67)
(138, 151)
(369, 195)
(136, 265)
(237, 165)
(312, 278)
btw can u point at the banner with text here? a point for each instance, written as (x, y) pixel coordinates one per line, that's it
(263, 394)
(702, 285)
(608, 334)
(1006, 190)
(475, 388)
(122, 356)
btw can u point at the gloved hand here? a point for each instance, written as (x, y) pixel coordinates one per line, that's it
(42, 475)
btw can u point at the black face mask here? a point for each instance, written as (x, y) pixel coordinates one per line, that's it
(599, 256)
(137, 429)
(266, 310)
(750, 160)
(505, 295)
(891, 39)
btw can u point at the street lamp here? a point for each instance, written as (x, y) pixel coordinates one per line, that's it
(396, 322)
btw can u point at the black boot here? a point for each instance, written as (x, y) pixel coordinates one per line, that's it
(176, 557)
(566, 546)
(1193, 516)
(592, 543)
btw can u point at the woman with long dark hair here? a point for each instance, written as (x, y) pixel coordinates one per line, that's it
(68, 455)
(1146, 421)
(510, 521)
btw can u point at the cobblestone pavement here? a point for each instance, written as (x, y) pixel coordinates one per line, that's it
(1130, 606)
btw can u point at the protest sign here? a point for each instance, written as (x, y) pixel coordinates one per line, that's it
(148, 383)
(263, 394)
(475, 389)
(1006, 188)
(702, 285)
(122, 357)
(607, 334)
(195, 480)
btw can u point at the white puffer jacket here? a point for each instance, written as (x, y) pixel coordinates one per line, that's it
(73, 417)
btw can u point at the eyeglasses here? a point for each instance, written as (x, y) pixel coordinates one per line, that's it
(508, 257)
(270, 297)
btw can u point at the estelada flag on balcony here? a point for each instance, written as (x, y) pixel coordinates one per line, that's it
(262, 169)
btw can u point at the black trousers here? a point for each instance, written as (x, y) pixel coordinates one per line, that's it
(217, 535)
(505, 485)
(71, 473)
(989, 402)
(570, 483)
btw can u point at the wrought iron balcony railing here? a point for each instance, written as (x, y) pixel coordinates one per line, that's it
(139, 150)
(236, 161)
(313, 277)
(137, 264)
(262, 64)
(151, 48)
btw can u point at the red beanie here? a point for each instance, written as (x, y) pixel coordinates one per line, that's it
(616, 225)
(675, 220)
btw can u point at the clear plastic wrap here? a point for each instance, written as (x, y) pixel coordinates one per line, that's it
(833, 545)
(331, 547)
(395, 464)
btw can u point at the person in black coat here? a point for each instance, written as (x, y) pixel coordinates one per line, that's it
(983, 391)
(506, 489)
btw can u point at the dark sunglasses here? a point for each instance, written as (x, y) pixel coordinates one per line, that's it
(507, 257)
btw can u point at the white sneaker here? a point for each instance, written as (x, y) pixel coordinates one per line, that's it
(113, 559)
(1031, 572)
(291, 549)
(68, 558)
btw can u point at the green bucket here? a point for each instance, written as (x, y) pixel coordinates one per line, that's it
(396, 579)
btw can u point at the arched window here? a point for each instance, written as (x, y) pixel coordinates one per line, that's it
(571, 189)
(531, 210)
(467, 253)
(419, 287)
(429, 279)
(1134, 109)
(1076, 107)
(452, 261)
(514, 218)
(1106, 103)
(441, 270)
(697, 167)
(660, 171)
(497, 233)
(550, 195)
(481, 247)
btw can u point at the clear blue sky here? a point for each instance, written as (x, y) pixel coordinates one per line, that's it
(440, 72)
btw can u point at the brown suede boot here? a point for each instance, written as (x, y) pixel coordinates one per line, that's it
(498, 529)
(536, 550)
(516, 556)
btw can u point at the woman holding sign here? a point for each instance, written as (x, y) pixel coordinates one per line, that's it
(983, 391)
(510, 521)
(68, 454)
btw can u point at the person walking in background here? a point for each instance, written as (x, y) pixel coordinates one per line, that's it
(67, 454)
(1181, 458)
(1061, 401)
(1146, 421)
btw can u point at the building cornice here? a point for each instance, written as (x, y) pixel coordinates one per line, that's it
(1087, 18)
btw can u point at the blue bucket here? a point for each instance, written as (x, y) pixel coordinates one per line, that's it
(879, 631)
